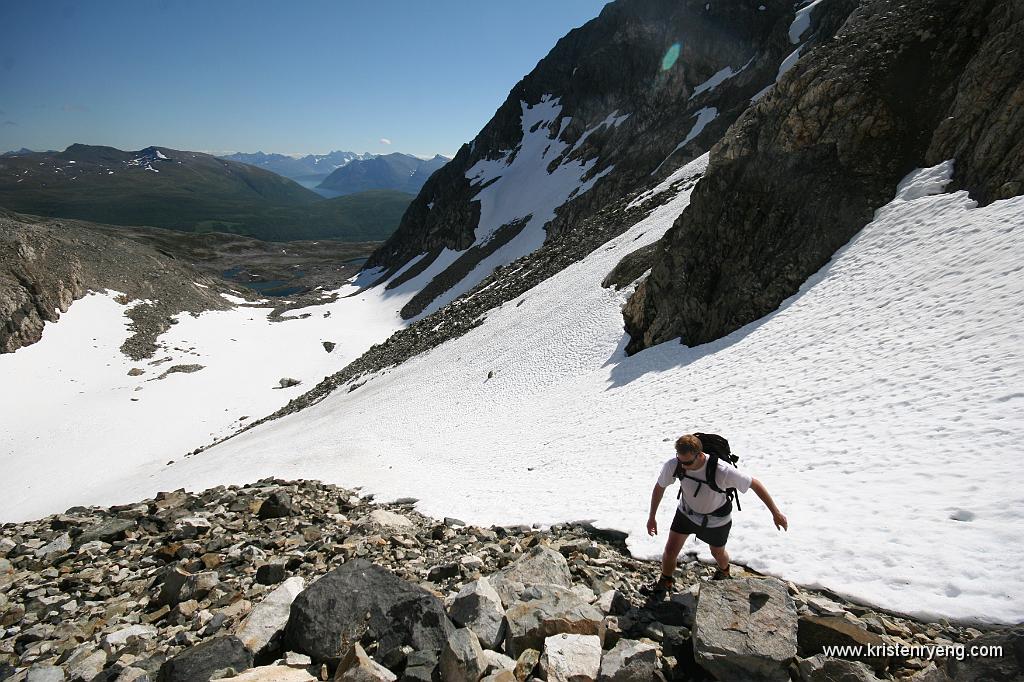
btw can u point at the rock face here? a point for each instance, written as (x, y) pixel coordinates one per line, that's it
(902, 85)
(745, 628)
(267, 621)
(47, 265)
(331, 614)
(645, 82)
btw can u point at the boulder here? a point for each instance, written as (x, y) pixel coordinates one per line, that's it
(526, 664)
(539, 566)
(274, 673)
(820, 668)
(462, 659)
(1007, 666)
(45, 673)
(571, 658)
(745, 628)
(421, 666)
(180, 585)
(263, 627)
(478, 607)
(547, 610)
(630, 661)
(54, 548)
(356, 666)
(389, 519)
(271, 574)
(199, 663)
(496, 661)
(359, 599)
(817, 632)
(278, 505)
(110, 530)
(117, 639)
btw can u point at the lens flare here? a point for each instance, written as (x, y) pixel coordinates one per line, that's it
(670, 57)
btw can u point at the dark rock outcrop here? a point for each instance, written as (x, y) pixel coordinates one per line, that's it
(200, 662)
(902, 85)
(331, 614)
(629, 87)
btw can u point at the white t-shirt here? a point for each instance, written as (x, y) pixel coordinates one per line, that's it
(696, 503)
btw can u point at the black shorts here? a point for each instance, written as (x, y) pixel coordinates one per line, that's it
(715, 537)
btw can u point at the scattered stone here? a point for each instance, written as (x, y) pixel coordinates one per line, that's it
(462, 659)
(821, 669)
(478, 607)
(270, 574)
(278, 505)
(45, 673)
(287, 382)
(329, 346)
(332, 613)
(199, 663)
(526, 663)
(421, 666)
(265, 625)
(630, 661)
(547, 610)
(389, 519)
(540, 566)
(274, 673)
(818, 632)
(745, 628)
(571, 658)
(356, 666)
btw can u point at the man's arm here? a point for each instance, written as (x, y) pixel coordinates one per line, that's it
(778, 517)
(656, 495)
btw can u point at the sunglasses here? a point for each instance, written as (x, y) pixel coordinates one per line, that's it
(689, 461)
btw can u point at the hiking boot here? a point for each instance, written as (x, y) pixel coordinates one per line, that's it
(662, 586)
(721, 574)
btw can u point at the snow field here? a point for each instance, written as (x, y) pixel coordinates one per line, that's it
(880, 406)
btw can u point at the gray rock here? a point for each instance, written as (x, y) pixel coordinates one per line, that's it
(819, 668)
(817, 632)
(179, 585)
(478, 607)
(278, 505)
(462, 659)
(571, 658)
(539, 566)
(745, 628)
(331, 613)
(85, 664)
(421, 666)
(388, 519)
(117, 639)
(199, 663)
(265, 624)
(630, 661)
(356, 666)
(110, 530)
(1007, 666)
(271, 574)
(56, 547)
(547, 610)
(274, 673)
(526, 664)
(45, 673)
(497, 661)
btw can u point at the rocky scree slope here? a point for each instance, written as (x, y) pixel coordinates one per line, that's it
(300, 580)
(624, 94)
(901, 85)
(47, 264)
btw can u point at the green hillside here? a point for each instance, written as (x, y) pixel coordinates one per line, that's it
(188, 191)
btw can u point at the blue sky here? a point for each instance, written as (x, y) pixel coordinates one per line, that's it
(289, 77)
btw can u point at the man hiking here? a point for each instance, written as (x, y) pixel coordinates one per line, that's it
(704, 506)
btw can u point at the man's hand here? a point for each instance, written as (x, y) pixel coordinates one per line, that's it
(780, 520)
(652, 526)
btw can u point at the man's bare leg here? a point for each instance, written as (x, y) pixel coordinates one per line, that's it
(671, 556)
(721, 557)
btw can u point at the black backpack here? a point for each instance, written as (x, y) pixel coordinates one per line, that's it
(716, 448)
